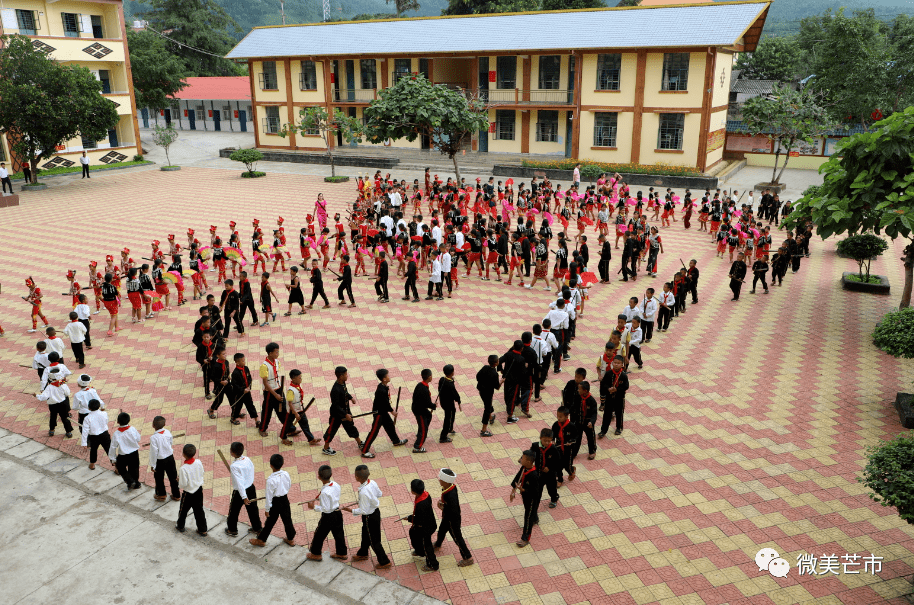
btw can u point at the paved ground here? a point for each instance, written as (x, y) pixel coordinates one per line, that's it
(746, 428)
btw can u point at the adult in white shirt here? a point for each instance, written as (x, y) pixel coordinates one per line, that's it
(84, 160)
(190, 480)
(434, 278)
(388, 224)
(436, 233)
(396, 200)
(369, 501)
(5, 177)
(576, 175)
(57, 394)
(243, 491)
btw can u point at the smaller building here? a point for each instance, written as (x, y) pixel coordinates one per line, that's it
(742, 90)
(215, 103)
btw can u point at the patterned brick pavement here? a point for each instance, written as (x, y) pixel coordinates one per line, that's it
(746, 428)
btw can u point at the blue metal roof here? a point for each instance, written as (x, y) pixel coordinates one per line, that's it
(715, 24)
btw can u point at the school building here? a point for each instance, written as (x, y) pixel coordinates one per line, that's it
(206, 103)
(89, 33)
(644, 84)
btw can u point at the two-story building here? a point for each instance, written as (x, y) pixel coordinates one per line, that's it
(89, 33)
(645, 84)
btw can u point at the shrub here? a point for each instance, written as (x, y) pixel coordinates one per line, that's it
(863, 248)
(336, 179)
(138, 157)
(889, 472)
(248, 157)
(569, 163)
(591, 172)
(252, 174)
(895, 333)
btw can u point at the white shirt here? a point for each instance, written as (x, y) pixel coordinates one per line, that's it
(445, 262)
(558, 317)
(84, 160)
(459, 240)
(636, 337)
(82, 398)
(329, 499)
(54, 394)
(55, 345)
(630, 312)
(648, 309)
(82, 311)
(569, 310)
(124, 441)
(435, 276)
(403, 222)
(95, 423)
(4, 173)
(75, 331)
(242, 470)
(40, 361)
(369, 498)
(436, 235)
(61, 374)
(539, 346)
(190, 477)
(668, 298)
(550, 340)
(388, 225)
(395, 199)
(160, 446)
(278, 484)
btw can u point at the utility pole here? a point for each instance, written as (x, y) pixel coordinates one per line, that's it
(326, 10)
(282, 9)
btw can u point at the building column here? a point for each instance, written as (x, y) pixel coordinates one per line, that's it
(576, 122)
(254, 105)
(525, 131)
(287, 66)
(707, 97)
(639, 106)
(328, 98)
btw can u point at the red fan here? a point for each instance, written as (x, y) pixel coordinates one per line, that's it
(466, 246)
(372, 232)
(587, 221)
(509, 182)
(588, 278)
(416, 238)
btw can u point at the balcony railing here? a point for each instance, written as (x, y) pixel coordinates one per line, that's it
(516, 96)
(355, 95)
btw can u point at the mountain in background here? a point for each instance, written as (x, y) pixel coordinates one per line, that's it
(785, 15)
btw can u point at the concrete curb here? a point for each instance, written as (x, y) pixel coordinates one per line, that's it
(335, 580)
(54, 176)
(731, 171)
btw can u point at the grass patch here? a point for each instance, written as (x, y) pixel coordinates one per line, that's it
(336, 179)
(597, 167)
(61, 170)
(252, 175)
(863, 280)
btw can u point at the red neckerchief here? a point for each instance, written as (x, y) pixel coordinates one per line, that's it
(222, 363)
(190, 461)
(273, 365)
(419, 499)
(243, 374)
(75, 321)
(209, 348)
(162, 432)
(52, 338)
(123, 428)
(562, 431)
(609, 358)
(56, 383)
(55, 363)
(524, 473)
(546, 449)
(426, 383)
(301, 394)
(617, 374)
(518, 352)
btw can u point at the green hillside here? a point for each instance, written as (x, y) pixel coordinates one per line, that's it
(785, 15)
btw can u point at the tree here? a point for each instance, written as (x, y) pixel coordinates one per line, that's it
(164, 137)
(863, 248)
(773, 59)
(484, 7)
(889, 472)
(248, 157)
(567, 5)
(786, 117)
(404, 5)
(869, 187)
(157, 73)
(317, 120)
(195, 26)
(44, 104)
(629, 3)
(415, 107)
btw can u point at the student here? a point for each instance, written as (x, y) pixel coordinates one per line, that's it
(564, 432)
(380, 284)
(693, 280)
(230, 304)
(434, 278)
(543, 344)
(270, 372)
(295, 293)
(331, 518)
(448, 395)
(737, 275)
(449, 505)
(527, 481)
(246, 296)
(487, 382)
(295, 403)
(205, 354)
(422, 408)
(665, 313)
(548, 461)
(513, 368)
(53, 343)
(40, 359)
(634, 345)
(266, 304)
(647, 309)
(95, 431)
(382, 414)
(190, 480)
(243, 491)
(242, 382)
(345, 282)
(57, 394)
(588, 420)
(220, 375)
(369, 499)
(340, 413)
(615, 382)
(759, 272)
(424, 525)
(54, 363)
(83, 314)
(125, 451)
(162, 460)
(83, 396)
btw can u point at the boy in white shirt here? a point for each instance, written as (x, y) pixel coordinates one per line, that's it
(243, 491)
(95, 431)
(76, 332)
(84, 313)
(124, 452)
(162, 460)
(278, 485)
(446, 265)
(40, 359)
(369, 501)
(54, 344)
(634, 345)
(57, 394)
(434, 278)
(190, 480)
(83, 396)
(331, 518)
(54, 362)
(647, 308)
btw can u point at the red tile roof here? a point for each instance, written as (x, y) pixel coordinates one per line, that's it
(232, 88)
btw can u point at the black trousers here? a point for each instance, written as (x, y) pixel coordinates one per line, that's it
(421, 542)
(540, 373)
(319, 292)
(270, 405)
(591, 435)
(371, 538)
(6, 181)
(103, 440)
(795, 263)
(635, 351)
(446, 278)
(488, 409)
(759, 277)
(192, 502)
(303, 424)
(166, 466)
(410, 286)
(237, 502)
(736, 286)
(550, 484)
(566, 462)
(447, 426)
(347, 289)
(558, 353)
(87, 323)
(693, 290)
(247, 401)
(603, 267)
(648, 329)
(531, 517)
(85, 172)
(224, 391)
(78, 352)
(526, 266)
(280, 510)
(422, 422)
(451, 524)
(512, 397)
(334, 425)
(525, 390)
(625, 269)
(663, 317)
(652, 260)
(237, 319)
(380, 288)
(614, 406)
(330, 523)
(128, 465)
(380, 420)
(246, 304)
(61, 409)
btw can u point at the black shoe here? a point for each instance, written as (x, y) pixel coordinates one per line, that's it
(618, 431)
(553, 504)
(448, 440)
(512, 420)
(402, 442)
(180, 529)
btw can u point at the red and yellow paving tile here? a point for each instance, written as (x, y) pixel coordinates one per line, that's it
(746, 428)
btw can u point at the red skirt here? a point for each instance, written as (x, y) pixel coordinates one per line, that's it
(474, 256)
(111, 305)
(715, 225)
(702, 216)
(136, 299)
(722, 245)
(557, 273)
(665, 214)
(162, 289)
(541, 270)
(492, 257)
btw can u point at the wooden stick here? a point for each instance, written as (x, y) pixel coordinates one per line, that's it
(365, 414)
(224, 461)
(175, 435)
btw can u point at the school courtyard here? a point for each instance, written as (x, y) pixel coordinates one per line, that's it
(746, 429)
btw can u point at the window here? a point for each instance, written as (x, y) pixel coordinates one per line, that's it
(506, 69)
(308, 78)
(28, 22)
(268, 80)
(227, 112)
(2, 153)
(201, 113)
(70, 25)
(675, 71)
(550, 70)
(608, 69)
(547, 126)
(97, 30)
(369, 74)
(271, 122)
(104, 77)
(402, 68)
(504, 124)
(670, 132)
(88, 143)
(604, 129)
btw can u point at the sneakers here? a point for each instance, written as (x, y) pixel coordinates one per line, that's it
(328, 451)
(512, 420)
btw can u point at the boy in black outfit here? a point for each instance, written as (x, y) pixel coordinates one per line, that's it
(424, 525)
(317, 283)
(615, 384)
(220, 374)
(206, 351)
(422, 408)
(571, 399)
(564, 433)
(450, 516)
(230, 304)
(340, 414)
(447, 393)
(382, 411)
(548, 461)
(487, 382)
(527, 481)
(241, 387)
(588, 421)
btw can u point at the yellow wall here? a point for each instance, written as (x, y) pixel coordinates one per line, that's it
(260, 112)
(548, 147)
(654, 97)
(623, 151)
(271, 96)
(535, 72)
(304, 96)
(51, 22)
(649, 128)
(723, 67)
(391, 62)
(624, 97)
(809, 162)
(496, 146)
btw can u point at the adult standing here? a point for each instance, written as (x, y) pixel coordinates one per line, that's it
(606, 255)
(576, 175)
(5, 177)
(84, 160)
(320, 211)
(270, 373)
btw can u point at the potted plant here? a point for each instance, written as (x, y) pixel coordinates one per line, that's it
(248, 157)
(864, 248)
(889, 472)
(164, 137)
(895, 335)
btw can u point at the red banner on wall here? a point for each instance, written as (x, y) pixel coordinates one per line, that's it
(236, 113)
(210, 112)
(491, 126)
(333, 78)
(491, 76)
(162, 112)
(185, 113)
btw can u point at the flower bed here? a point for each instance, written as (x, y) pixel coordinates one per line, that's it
(569, 164)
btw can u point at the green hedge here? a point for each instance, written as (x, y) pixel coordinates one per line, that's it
(252, 175)
(61, 170)
(593, 167)
(895, 333)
